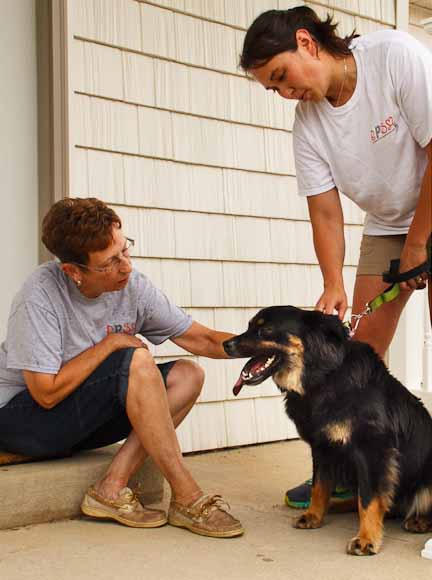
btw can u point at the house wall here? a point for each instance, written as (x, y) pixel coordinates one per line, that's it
(18, 149)
(420, 10)
(198, 161)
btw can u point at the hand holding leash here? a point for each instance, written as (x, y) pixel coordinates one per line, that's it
(410, 258)
(419, 274)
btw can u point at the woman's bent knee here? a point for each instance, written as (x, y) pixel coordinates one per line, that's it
(142, 359)
(187, 371)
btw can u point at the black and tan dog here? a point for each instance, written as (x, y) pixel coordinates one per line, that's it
(365, 429)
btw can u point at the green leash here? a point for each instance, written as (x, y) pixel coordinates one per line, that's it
(388, 295)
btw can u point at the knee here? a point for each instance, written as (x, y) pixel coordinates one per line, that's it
(189, 372)
(142, 363)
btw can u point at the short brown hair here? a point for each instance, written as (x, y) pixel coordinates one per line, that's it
(73, 227)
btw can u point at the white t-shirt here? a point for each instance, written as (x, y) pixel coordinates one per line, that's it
(372, 147)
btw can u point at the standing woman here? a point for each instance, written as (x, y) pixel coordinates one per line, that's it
(363, 127)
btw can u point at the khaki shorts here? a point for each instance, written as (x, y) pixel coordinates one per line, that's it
(377, 251)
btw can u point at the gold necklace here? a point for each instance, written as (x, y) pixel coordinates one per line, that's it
(343, 82)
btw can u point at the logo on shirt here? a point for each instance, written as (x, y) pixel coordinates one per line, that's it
(126, 327)
(383, 129)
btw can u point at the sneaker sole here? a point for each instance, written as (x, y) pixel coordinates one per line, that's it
(227, 534)
(298, 505)
(301, 505)
(100, 514)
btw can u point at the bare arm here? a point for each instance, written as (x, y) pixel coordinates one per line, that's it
(203, 341)
(48, 390)
(326, 215)
(414, 252)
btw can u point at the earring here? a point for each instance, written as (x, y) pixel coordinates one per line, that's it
(78, 283)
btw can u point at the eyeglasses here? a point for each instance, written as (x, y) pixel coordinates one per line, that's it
(114, 262)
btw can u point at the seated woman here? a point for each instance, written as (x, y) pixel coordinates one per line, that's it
(74, 375)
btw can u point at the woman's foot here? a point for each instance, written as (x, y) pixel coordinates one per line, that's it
(206, 517)
(125, 509)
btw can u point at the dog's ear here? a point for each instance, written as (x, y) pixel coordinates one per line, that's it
(325, 337)
(334, 328)
(327, 324)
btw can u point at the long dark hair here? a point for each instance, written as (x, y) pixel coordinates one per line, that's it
(274, 31)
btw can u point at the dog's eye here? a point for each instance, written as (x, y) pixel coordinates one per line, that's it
(265, 332)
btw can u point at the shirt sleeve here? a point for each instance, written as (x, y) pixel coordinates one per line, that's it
(312, 171)
(34, 340)
(161, 318)
(411, 70)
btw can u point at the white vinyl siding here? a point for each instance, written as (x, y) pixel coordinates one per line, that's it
(197, 159)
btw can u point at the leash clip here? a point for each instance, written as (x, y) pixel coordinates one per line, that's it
(357, 317)
(388, 295)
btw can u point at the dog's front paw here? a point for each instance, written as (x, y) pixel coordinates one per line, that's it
(418, 524)
(362, 547)
(307, 521)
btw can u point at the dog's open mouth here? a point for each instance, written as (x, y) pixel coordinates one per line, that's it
(257, 370)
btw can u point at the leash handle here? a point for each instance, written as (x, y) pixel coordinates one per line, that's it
(393, 275)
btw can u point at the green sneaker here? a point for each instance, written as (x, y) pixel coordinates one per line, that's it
(299, 497)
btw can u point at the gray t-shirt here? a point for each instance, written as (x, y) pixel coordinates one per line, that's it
(51, 322)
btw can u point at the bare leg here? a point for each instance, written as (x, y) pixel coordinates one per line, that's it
(184, 384)
(377, 329)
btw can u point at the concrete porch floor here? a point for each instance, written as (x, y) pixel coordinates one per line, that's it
(253, 480)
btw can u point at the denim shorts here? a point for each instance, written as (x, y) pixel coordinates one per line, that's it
(93, 416)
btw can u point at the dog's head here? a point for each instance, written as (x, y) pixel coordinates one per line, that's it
(281, 340)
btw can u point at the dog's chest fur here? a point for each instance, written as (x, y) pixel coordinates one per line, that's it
(318, 422)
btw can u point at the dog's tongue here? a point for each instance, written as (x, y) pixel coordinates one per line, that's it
(238, 386)
(249, 368)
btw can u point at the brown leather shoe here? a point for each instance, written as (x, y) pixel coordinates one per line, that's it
(205, 517)
(126, 509)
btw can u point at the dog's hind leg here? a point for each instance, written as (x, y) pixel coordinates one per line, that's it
(313, 517)
(378, 475)
(419, 516)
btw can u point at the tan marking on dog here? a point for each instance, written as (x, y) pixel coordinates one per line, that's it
(339, 432)
(290, 379)
(392, 477)
(371, 523)
(320, 498)
(8, 458)
(260, 321)
(422, 503)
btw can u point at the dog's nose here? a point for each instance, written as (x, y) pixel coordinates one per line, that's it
(230, 347)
